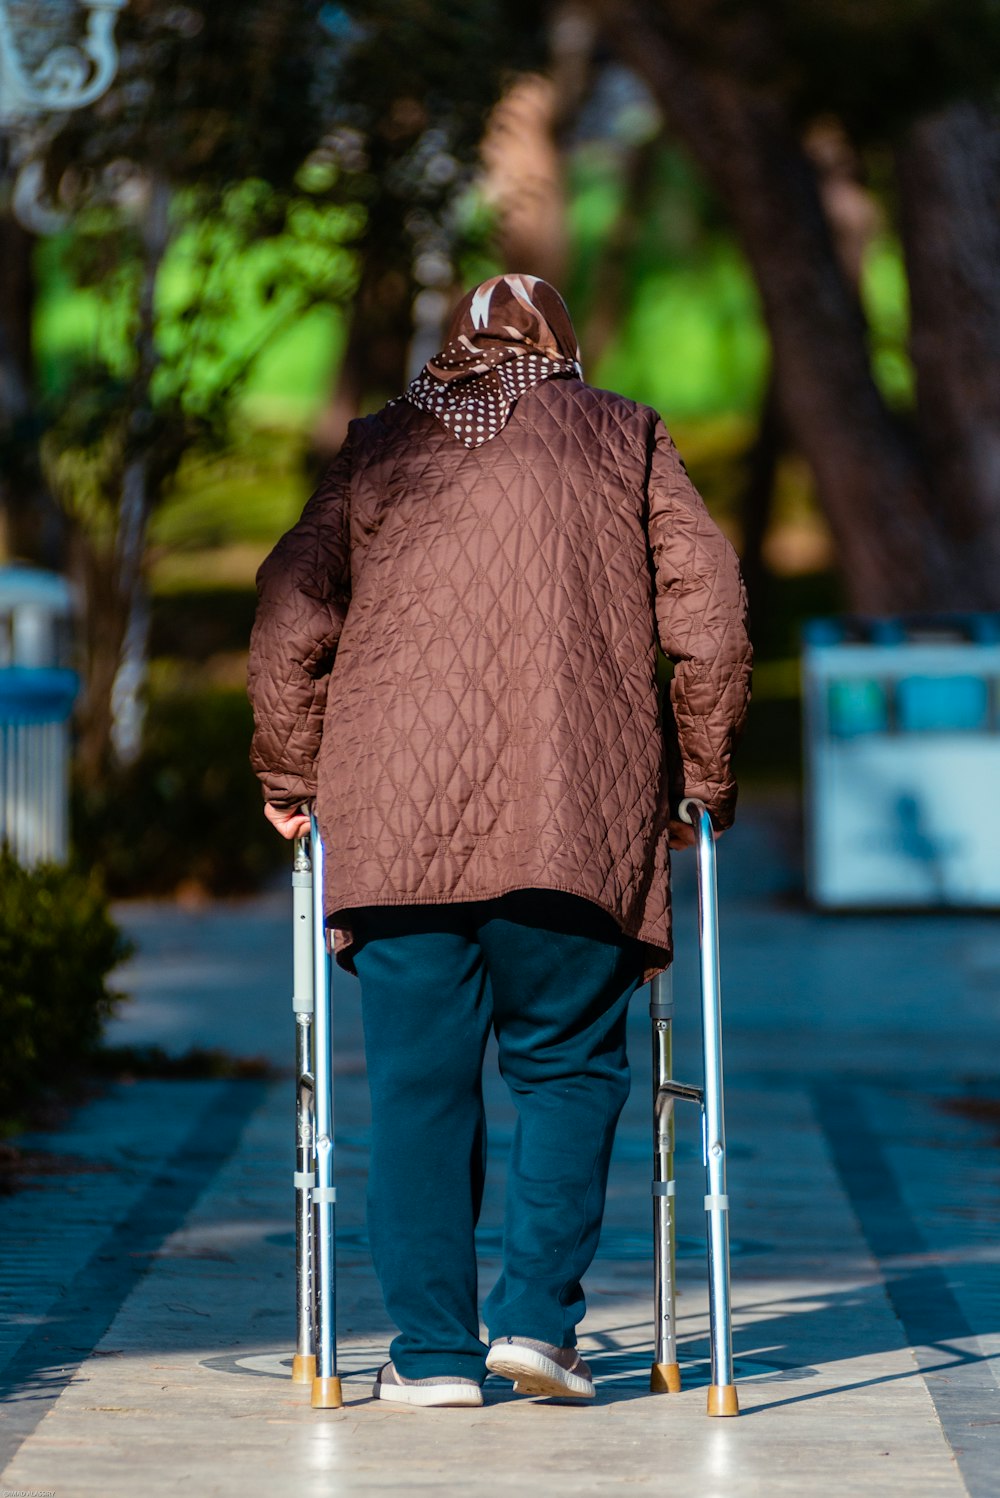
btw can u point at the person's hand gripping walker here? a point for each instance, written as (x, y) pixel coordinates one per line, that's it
(289, 822)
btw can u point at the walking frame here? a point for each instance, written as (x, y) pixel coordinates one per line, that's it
(665, 1377)
(315, 1360)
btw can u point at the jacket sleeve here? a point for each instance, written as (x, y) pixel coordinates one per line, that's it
(303, 594)
(700, 603)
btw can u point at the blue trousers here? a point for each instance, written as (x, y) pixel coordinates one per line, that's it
(552, 975)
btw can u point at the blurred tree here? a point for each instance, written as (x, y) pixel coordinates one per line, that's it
(361, 120)
(413, 89)
(210, 119)
(914, 506)
(18, 484)
(523, 149)
(855, 216)
(524, 180)
(49, 63)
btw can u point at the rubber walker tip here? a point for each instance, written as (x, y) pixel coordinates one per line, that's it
(303, 1368)
(665, 1378)
(722, 1399)
(326, 1394)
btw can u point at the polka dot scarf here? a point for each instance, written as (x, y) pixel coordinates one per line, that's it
(505, 337)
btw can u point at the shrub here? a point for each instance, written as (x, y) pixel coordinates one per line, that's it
(189, 812)
(58, 944)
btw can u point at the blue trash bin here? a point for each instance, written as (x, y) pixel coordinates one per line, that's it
(901, 720)
(37, 691)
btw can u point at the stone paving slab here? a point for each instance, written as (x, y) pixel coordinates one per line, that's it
(191, 1382)
(862, 1126)
(126, 1146)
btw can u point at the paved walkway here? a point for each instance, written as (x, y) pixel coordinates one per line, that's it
(147, 1292)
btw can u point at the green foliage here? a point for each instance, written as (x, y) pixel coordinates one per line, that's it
(692, 342)
(189, 812)
(689, 336)
(227, 292)
(291, 133)
(220, 106)
(250, 492)
(885, 296)
(90, 438)
(226, 295)
(58, 944)
(202, 233)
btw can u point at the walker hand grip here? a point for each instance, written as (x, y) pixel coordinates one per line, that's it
(690, 808)
(302, 844)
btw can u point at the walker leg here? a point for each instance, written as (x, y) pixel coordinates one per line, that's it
(722, 1398)
(326, 1391)
(303, 1006)
(665, 1375)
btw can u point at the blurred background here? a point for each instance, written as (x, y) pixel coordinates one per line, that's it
(227, 229)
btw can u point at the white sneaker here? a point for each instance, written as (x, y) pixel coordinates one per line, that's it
(541, 1368)
(426, 1392)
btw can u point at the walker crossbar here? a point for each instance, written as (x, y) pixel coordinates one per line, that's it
(315, 1360)
(665, 1377)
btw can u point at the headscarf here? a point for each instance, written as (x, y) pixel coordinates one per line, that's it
(505, 336)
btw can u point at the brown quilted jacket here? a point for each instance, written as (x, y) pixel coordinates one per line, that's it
(455, 654)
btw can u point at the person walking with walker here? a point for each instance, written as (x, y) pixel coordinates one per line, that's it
(454, 658)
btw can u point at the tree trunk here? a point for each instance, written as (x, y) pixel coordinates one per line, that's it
(854, 217)
(948, 173)
(15, 380)
(104, 625)
(523, 149)
(757, 503)
(892, 546)
(115, 584)
(16, 303)
(32, 528)
(610, 282)
(374, 366)
(853, 213)
(523, 179)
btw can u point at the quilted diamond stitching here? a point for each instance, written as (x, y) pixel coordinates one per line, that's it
(491, 717)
